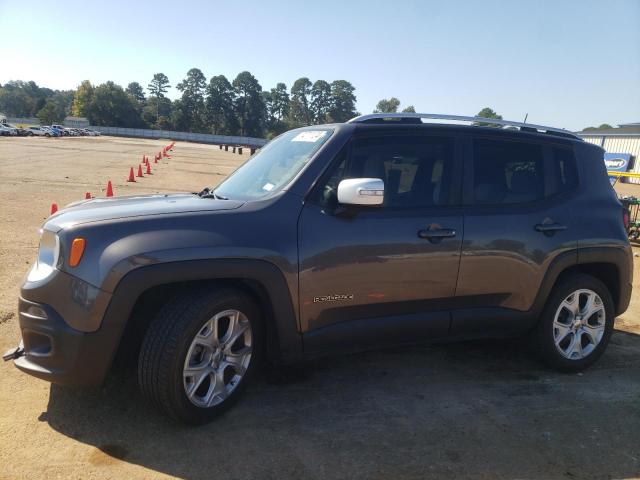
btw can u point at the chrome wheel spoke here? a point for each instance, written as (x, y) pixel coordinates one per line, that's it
(208, 334)
(238, 359)
(218, 390)
(594, 333)
(198, 376)
(572, 304)
(232, 327)
(591, 306)
(240, 330)
(575, 347)
(560, 331)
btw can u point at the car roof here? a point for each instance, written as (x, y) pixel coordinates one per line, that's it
(492, 125)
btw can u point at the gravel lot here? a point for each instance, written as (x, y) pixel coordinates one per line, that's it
(471, 410)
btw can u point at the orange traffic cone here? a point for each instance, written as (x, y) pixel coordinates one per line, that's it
(54, 208)
(109, 189)
(131, 178)
(148, 168)
(87, 196)
(139, 171)
(155, 159)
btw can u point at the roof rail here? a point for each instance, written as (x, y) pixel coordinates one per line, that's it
(373, 117)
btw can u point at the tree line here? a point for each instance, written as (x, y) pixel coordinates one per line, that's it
(27, 99)
(219, 106)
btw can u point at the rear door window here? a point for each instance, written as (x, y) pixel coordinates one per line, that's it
(510, 172)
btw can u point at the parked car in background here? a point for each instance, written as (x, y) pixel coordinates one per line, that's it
(56, 129)
(8, 129)
(64, 131)
(37, 131)
(52, 132)
(21, 132)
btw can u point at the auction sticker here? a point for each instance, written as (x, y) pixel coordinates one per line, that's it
(309, 136)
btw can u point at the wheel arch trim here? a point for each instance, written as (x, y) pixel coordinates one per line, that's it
(261, 272)
(615, 256)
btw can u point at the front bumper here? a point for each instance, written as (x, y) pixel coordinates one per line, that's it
(51, 314)
(55, 352)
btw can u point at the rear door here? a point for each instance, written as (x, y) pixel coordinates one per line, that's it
(518, 218)
(381, 275)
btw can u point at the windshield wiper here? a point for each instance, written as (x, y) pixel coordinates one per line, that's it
(209, 193)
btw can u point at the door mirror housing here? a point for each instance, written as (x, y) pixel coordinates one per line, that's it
(361, 191)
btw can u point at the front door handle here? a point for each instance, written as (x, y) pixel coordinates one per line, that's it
(436, 234)
(549, 228)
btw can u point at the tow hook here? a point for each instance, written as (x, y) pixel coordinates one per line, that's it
(13, 353)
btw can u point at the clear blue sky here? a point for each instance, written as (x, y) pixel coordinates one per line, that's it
(567, 63)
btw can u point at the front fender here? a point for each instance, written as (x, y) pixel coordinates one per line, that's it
(137, 281)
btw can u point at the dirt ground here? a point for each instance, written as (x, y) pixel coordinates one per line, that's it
(470, 410)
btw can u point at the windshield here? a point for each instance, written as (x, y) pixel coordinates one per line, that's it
(274, 165)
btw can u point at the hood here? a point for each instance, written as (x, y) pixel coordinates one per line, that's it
(112, 208)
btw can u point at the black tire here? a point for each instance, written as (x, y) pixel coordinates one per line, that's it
(543, 335)
(30, 134)
(168, 340)
(47, 135)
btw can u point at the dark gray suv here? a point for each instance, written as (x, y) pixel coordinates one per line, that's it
(381, 231)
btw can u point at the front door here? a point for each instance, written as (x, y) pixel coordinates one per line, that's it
(384, 274)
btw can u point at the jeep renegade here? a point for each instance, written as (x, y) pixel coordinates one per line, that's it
(382, 231)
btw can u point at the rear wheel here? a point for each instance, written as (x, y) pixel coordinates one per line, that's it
(199, 352)
(576, 324)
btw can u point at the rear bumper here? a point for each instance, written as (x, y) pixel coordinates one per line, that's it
(625, 298)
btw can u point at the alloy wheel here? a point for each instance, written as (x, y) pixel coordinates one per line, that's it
(218, 358)
(579, 324)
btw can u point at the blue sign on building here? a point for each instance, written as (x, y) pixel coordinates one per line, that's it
(617, 162)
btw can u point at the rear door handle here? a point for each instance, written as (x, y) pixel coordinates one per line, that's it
(437, 233)
(549, 228)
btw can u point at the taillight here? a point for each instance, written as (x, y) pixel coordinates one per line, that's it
(625, 218)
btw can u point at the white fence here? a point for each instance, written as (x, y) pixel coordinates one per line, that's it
(182, 136)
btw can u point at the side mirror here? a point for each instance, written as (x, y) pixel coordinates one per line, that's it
(361, 191)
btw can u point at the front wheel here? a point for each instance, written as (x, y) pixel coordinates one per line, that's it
(576, 324)
(199, 352)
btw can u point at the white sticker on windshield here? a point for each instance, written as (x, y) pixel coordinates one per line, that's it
(309, 136)
(268, 187)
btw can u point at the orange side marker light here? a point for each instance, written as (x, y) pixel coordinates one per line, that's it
(77, 249)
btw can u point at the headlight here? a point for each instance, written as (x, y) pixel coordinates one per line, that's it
(48, 254)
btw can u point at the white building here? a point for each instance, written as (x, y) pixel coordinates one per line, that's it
(75, 122)
(624, 139)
